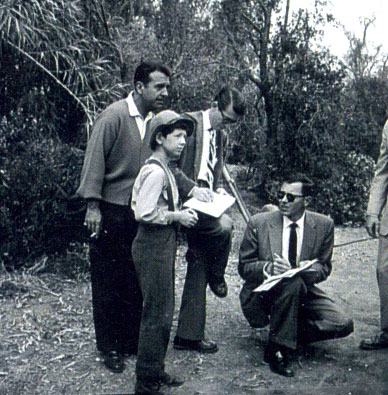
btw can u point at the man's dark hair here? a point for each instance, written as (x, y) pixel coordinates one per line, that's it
(143, 71)
(226, 95)
(307, 183)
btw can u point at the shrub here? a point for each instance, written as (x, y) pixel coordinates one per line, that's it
(38, 176)
(344, 194)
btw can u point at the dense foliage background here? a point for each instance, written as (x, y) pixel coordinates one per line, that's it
(62, 61)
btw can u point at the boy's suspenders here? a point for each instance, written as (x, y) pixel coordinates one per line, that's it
(169, 188)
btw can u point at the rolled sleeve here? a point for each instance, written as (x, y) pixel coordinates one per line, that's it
(148, 203)
(99, 145)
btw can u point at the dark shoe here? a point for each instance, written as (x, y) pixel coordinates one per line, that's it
(147, 387)
(219, 288)
(170, 381)
(114, 361)
(278, 362)
(128, 351)
(379, 342)
(203, 346)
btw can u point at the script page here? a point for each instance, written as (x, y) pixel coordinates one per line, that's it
(215, 208)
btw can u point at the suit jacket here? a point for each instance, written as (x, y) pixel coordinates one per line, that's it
(263, 239)
(190, 160)
(378, 193)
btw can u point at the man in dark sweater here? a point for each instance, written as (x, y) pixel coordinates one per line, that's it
(116, 150)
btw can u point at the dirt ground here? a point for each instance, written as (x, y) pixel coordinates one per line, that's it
(47, 337)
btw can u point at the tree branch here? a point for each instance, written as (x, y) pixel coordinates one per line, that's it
(59, 82)
(253, 24)
(195, 67)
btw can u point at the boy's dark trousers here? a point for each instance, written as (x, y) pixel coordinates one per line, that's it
(117, 298)
(154, 251)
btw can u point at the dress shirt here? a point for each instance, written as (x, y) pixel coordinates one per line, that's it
(286, 240)
(286, 236)
(205, 173)
(149, 195)
(134, 112)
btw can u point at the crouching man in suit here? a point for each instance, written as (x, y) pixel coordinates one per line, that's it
(296, 309)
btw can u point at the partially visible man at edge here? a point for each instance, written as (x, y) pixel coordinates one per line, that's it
(116, 150)
(377, 226)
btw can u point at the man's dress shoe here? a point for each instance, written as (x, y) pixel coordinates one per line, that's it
(170, 381)
(114, 361)
(147, 387)
(203, 346)
(127, 352)
(378, 342)
(219, 288)
(278, 363)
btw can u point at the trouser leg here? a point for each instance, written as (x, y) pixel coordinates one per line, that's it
(254, 307)
(154, 254)
(116, 295)
(382, 280)
(220, 248)
(320, 319)
(212, 238)
(284, 310)
(209, 244)
(192, 313)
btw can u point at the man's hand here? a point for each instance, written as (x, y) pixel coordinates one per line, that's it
(222, 191)
(280, 265)
(93, 218)
(187, 217)
(373, 225)
(203, 194)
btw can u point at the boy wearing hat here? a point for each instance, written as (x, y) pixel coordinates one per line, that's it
(155, 202)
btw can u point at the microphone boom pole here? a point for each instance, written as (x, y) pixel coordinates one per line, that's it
(236, 193)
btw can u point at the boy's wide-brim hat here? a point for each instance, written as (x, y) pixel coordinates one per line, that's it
(168, 118)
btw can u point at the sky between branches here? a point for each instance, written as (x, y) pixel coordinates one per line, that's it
(351, 13)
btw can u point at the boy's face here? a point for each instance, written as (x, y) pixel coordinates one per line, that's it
(174, 143)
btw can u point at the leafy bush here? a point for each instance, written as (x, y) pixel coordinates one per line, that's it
(38, 176)
(344, 194)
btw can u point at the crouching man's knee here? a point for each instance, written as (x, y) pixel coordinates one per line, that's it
(226, 224)
(347, 328)
(335, 330)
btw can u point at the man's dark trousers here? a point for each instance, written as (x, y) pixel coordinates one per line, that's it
(299, 316)
(154, 251)
(117, 299)
(209, 243)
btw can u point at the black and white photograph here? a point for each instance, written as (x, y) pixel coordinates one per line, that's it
(193, 197)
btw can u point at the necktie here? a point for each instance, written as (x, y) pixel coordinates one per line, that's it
(292, 245)
(212, 159)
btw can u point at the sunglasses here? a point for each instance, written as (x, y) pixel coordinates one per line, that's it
(290, 196)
